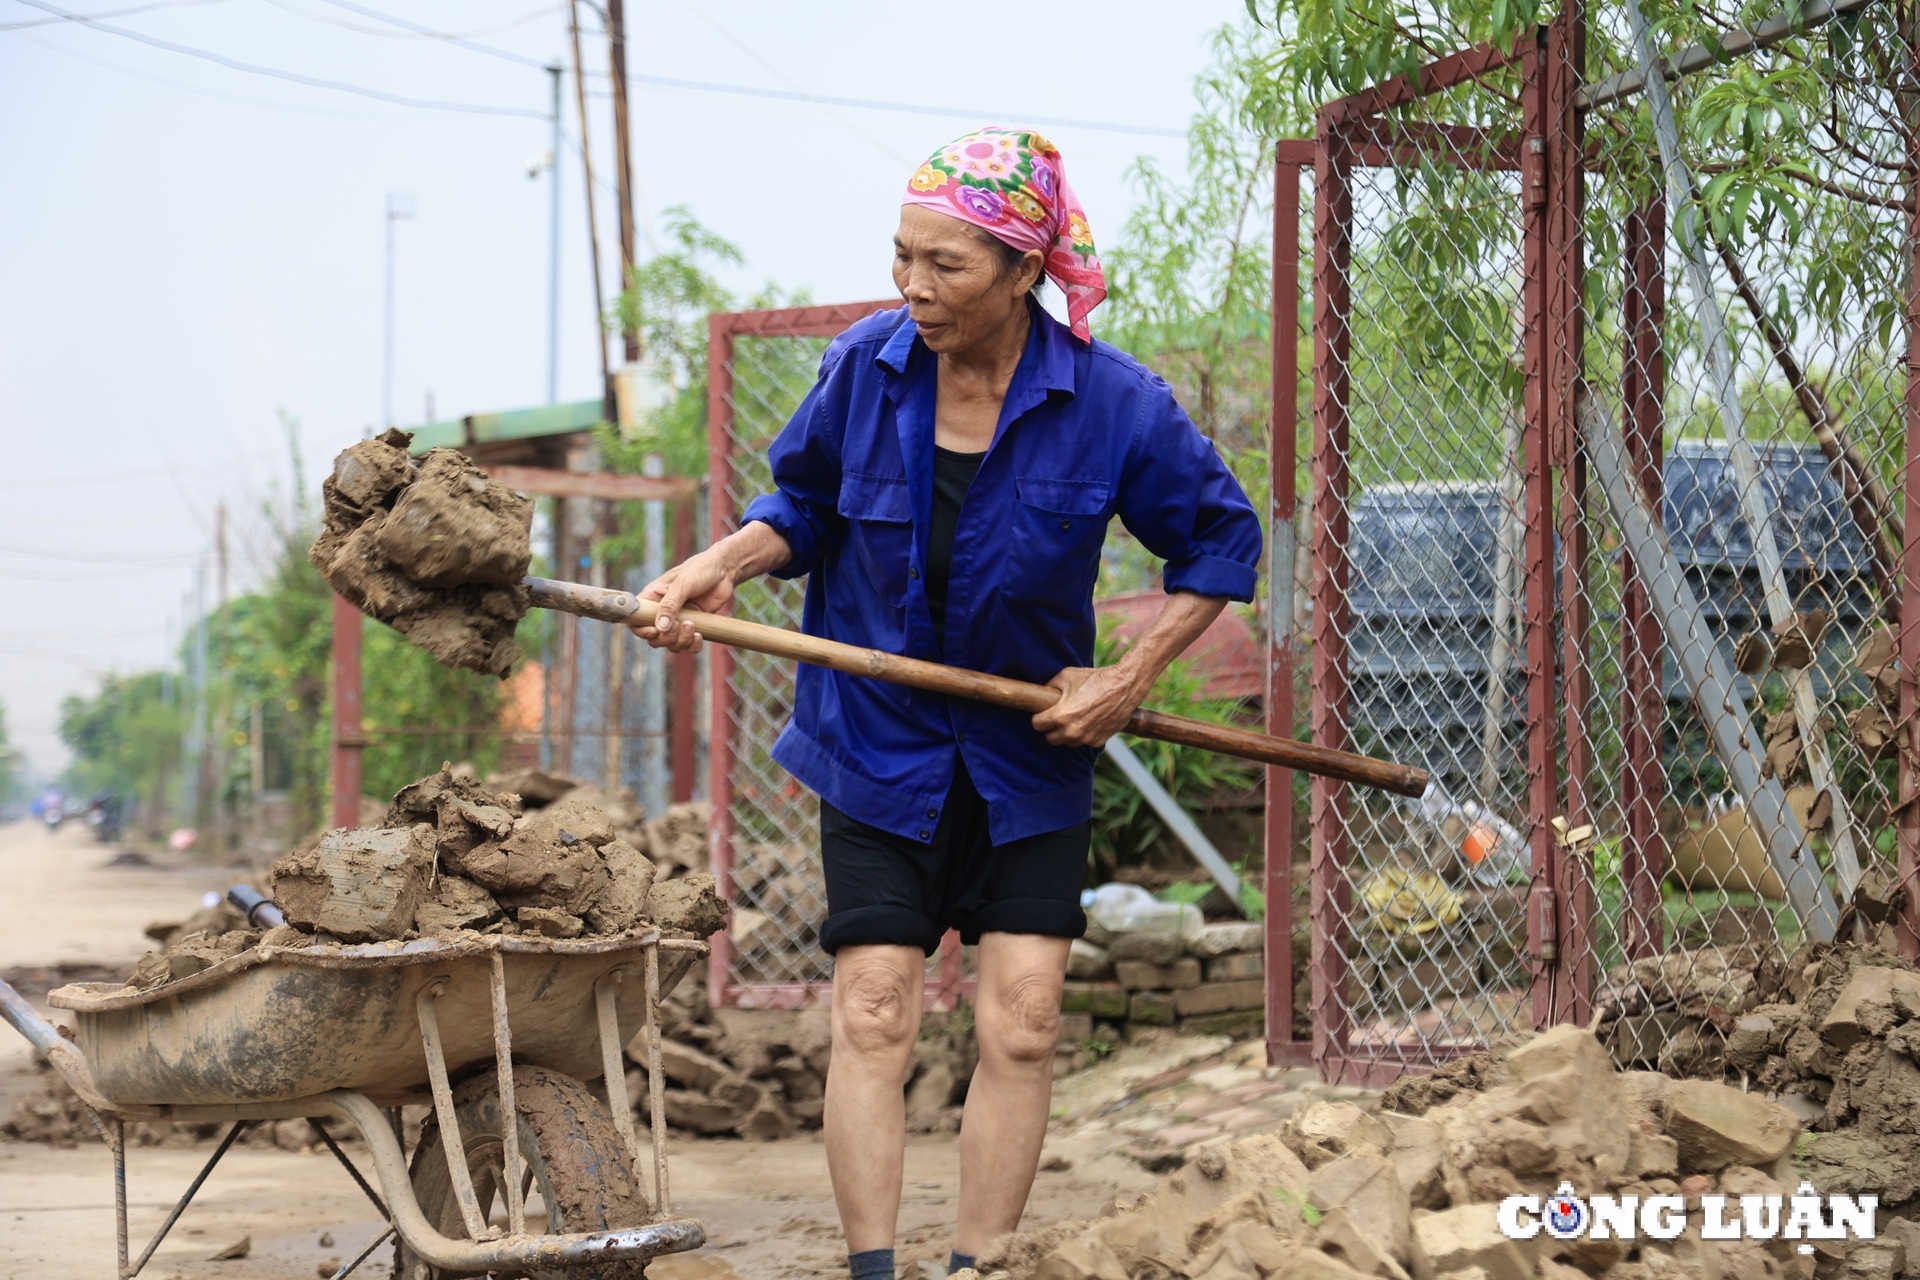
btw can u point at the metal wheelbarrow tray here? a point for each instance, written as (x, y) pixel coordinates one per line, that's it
(344, 1031)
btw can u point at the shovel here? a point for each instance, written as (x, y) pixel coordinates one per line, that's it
(626, 609)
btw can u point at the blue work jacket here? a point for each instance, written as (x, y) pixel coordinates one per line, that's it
(1086, 433)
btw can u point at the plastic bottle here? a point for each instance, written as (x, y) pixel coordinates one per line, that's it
(1127, 908)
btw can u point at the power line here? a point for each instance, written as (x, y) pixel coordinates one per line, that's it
(909, 108)
(521, 21)
(296, 77)
(792, 94)
(788, 80)
(450, 37)
(241, 98)
(80, 557)
(111, 13)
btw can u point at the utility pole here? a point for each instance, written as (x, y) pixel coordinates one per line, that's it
(553, 248)
(593, 217)
(399, 208)
(623, 157)
(213, 759)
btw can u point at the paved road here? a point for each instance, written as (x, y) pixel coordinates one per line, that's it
(63, 905)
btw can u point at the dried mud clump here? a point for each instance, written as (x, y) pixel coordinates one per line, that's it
(433, 548)
(1343, 1192)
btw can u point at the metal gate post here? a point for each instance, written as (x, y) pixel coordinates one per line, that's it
(720, 521)
(349, 733)
(1907, 624)
(1543, 793)
(1283, 459)
(1643, 858)
(1332, 611)
(1564, 337)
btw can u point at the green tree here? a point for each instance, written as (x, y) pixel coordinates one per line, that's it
(11, 779)
(125, 738)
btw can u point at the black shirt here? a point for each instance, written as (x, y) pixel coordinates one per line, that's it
(953, 475)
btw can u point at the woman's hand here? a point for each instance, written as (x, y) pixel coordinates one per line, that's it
(1095, 704)
(704, 582)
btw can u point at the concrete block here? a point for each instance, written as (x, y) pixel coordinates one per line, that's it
(1220, 997)
(1137, 975)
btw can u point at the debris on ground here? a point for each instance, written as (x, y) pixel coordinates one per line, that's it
(433, 547)
(1344, 1190)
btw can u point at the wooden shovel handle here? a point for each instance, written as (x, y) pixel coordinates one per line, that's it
(625, 608)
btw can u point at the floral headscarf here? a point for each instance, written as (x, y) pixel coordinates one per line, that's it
(1013, 184)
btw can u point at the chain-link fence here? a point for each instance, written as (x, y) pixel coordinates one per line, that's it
(1665, 744)
(766, 850)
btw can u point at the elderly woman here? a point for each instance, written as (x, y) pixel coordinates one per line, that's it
(946, 487)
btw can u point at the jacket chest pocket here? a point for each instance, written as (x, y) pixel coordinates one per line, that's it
(1057, 531)
(879, 520)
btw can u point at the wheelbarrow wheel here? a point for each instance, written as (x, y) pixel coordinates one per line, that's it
(569, 1150)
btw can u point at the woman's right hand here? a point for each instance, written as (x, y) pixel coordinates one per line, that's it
(704, 582)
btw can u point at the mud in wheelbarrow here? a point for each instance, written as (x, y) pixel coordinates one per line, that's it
(479, 1027)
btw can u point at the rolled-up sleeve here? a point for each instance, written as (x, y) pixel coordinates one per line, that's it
(1183, 504)
(805, 458)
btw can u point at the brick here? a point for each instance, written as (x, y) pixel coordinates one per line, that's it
(1137, 975)
(1148, 948)
(1101, 999)
(1075, 1027)
(1244, 964)
(1087, 962)
(1151, 1008)
(1228, 937)
(1220, 997)
(1238, 1023)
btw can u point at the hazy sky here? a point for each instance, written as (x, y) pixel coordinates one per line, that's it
(191, 249)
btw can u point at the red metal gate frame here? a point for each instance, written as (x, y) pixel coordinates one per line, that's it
(1548, 156)
(722, 331)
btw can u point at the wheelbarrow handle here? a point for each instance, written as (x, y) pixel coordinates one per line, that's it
(46, 1037)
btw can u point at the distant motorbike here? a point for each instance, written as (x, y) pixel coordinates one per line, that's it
(53, 808)
(104, 816)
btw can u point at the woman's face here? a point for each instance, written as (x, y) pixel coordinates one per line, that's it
(955, 285)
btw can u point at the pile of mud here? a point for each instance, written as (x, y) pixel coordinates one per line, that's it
(434, 548)
(1832, 1031)
(1342, 1193)
(454, 856)
(751, 1073)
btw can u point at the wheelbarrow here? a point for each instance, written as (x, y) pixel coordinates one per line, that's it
(479, 1028)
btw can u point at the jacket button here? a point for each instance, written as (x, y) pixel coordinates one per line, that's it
(933, 813)
(913, 573)
(925, 834)
(1066, 524)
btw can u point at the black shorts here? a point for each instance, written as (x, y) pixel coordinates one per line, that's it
(884, 889)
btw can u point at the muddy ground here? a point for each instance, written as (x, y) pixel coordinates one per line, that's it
(767, 1207)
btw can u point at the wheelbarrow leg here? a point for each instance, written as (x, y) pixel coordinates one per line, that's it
(509, 1109)
(457, 1173)
(120, 1194)
(365, 1253)
(117, 1139)
(327, 1139)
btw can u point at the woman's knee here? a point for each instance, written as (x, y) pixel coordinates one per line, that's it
(1021, 1021)
(874, 1008)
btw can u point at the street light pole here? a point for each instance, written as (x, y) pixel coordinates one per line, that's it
(399, 207)
(553, 249)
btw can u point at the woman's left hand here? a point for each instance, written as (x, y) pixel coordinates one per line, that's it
(1095, 704)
